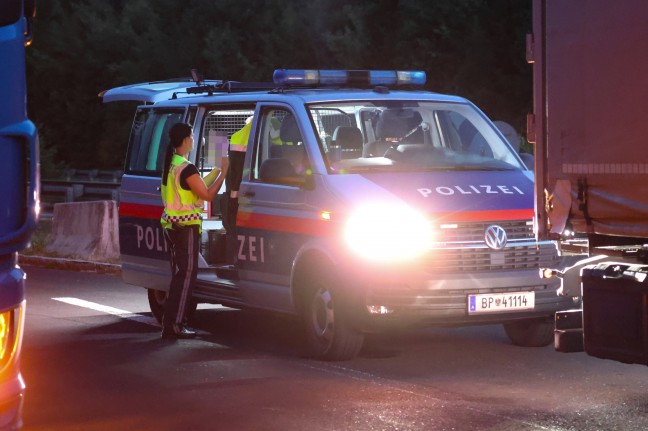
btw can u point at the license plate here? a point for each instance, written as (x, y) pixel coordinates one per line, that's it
(494, 302)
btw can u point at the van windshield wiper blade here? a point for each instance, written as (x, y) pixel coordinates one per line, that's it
(498, 166)
(479, 168)
(373, 168)
(414, 167)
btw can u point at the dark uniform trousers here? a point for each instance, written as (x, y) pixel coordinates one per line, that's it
(185, 247)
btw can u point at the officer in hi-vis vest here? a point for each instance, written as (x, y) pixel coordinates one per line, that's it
(183, 194)
(237, 149)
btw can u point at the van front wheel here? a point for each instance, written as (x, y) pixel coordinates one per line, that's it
(156, 300)
(330, 334)
(530, 333)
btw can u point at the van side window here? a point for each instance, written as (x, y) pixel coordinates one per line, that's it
(280, 155)
(219, 124)
(149, 139)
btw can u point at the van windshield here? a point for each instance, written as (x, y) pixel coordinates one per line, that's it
(409, 136)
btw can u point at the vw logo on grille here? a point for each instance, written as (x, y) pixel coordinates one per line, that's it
(495, 237)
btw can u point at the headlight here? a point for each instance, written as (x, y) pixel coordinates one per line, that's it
(388, 233)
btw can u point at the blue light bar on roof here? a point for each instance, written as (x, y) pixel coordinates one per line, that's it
(363, 78)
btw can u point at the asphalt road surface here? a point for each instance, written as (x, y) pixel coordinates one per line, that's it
(93, 360)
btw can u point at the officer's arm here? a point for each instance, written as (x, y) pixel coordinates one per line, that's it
(200, 189)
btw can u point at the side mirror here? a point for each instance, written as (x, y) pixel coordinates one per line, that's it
(528, 160)
(509, 133)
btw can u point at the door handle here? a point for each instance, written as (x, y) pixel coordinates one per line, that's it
(249, 193)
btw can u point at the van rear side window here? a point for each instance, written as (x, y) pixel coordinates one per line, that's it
(149, 139)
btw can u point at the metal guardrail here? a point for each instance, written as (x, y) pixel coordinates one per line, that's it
(80, 186)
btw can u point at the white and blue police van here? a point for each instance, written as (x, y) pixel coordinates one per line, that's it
(363, 202)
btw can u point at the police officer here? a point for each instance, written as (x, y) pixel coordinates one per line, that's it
(183, 193)
(237, 149)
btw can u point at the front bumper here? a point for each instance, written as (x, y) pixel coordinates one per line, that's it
(443, 300)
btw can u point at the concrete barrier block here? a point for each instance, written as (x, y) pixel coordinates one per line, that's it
(85, 230)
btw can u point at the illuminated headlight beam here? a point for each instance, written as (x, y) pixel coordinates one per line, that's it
(388, 233)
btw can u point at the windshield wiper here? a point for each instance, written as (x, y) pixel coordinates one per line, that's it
(372, 168)
(482, 167)
(400, 166)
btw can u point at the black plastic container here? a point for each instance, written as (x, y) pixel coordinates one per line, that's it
(615, 312)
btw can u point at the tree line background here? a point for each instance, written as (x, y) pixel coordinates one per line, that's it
(472, 48)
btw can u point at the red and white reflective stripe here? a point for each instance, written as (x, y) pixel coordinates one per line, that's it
(180, 219)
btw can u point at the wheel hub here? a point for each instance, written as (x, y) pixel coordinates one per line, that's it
(323, 317)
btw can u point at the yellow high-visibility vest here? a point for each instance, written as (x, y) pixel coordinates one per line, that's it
(239, 140)
(180, 206)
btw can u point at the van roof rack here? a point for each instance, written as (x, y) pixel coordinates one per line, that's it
(229, 87)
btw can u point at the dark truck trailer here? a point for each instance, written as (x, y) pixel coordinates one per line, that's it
(590, 129)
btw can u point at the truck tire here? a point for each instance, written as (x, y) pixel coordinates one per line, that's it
(157, 299)
(330, 335)
(530, 333)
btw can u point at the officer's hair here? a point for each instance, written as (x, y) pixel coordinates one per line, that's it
(177, 134)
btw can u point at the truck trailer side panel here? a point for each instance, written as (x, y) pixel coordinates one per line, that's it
(591, 127)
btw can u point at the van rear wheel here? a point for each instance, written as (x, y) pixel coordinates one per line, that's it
(157, 302)
(330, 335)
(531, 332)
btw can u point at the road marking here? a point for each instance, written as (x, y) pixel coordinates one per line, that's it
(110, 310)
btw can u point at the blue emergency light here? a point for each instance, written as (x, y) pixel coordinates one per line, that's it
(362, 78)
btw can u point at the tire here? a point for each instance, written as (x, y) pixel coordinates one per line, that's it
(157, 301)
(330, 335)
(530, 333)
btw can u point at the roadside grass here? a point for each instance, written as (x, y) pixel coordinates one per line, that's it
(39, 239)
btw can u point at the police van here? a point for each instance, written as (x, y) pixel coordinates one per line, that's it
(360, 202)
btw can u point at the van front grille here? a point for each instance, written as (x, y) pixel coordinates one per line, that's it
(473, 233)
(460, 247)
(475, 259)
